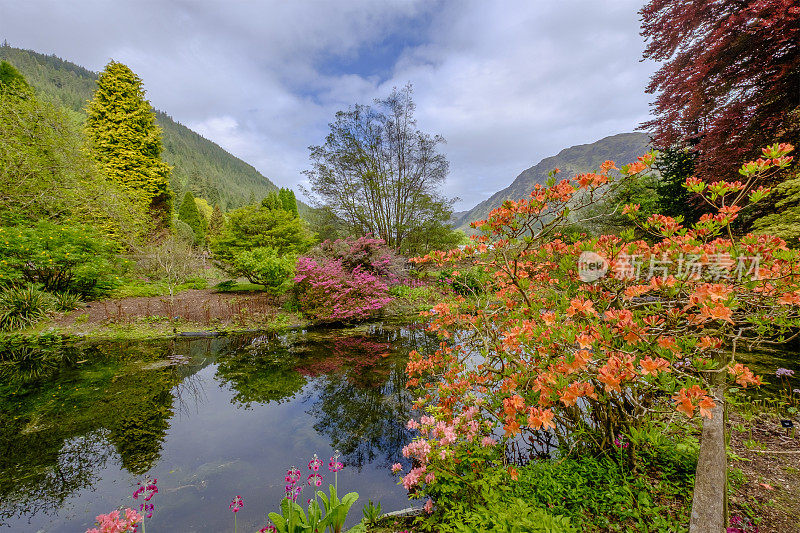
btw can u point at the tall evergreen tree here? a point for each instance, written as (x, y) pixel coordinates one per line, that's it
(288, 200)
(127, 142)
(272, 201)
(217, 222)
(189, 214)
(675, 165)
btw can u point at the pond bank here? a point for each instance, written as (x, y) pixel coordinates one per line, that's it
(192, 313)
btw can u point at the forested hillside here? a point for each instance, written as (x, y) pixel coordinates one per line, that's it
(199, 165)
(622, 148)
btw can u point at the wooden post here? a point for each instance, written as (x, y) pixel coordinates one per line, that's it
(710, 485)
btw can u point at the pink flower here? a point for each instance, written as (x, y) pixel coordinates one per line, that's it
(412, 424)
(396, 468)
(427, 420)
(430, 477)
(236, 504)
(314, 479)
(411, 479)
(315, 463)
(429, 506)
(112, 523)
(488, 441)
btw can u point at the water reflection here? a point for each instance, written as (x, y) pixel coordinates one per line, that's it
(71, 445)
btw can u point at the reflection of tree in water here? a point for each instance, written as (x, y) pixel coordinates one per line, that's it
(364, 414)
(55, 436)
(260, 371)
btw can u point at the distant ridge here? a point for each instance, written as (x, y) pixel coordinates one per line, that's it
(621, 148)
(198, 164)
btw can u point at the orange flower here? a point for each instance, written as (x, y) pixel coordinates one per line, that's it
(607, 165)
(511, 427)
(654, 366)
(706, 404)
(512, 472)
(539, 418)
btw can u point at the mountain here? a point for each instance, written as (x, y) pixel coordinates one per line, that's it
(621, 148)
(198, 164)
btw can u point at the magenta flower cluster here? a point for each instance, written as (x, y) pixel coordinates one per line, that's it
(147, 490)
(236, 504)
(293, 488)
(328, 291)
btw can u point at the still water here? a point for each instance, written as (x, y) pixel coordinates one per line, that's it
(210, 418)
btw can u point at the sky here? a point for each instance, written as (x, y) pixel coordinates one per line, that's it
(506, 83)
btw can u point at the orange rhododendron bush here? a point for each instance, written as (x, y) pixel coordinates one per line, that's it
(587, 340)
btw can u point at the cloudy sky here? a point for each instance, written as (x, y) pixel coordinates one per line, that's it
(506, 83)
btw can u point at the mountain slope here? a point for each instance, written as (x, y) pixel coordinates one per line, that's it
(622, 148)
(198, 164)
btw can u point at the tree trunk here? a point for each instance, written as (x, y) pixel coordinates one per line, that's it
(709, 501)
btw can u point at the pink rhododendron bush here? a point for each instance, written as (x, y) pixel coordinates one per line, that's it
(346, 280)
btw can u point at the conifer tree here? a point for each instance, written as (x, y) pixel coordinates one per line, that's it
(12, 80)
(189, 214)
(271, 201)
(127, 142)
(288, 201)
(217, 222)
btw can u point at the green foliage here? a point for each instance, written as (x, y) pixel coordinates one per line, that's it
(126, 141)
(271, 201)
(513, 515)
(467, 282)
(255, 226)
(675, 165)
(217, 222)
(371, 513)
(21, 307)
(72, 258)
(643, 487)
(266, 266)
(12, 80)
(183, 231)
(784, 222)
(190, 214)
(198, 164)
(66, 301)
(44, 170)
(288, 201)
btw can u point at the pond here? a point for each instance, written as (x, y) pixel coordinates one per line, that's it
(210, 418)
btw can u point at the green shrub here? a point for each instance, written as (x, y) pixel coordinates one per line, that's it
(466, 283)
(266, 266)
(66, 301)
(400, 291)
(73, 258)
(503, 516)
(21, 307)
(255, 226)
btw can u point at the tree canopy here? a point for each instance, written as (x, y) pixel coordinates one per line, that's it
(45, 173)
(378, 172)
(126, 141)
(730, 77)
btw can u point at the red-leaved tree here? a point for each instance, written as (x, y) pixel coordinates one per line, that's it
(729, 80)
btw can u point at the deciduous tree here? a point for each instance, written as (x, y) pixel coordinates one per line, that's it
(378, 172)
(729, 80)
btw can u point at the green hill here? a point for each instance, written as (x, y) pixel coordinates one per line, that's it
(199, 165)
(621, 148)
